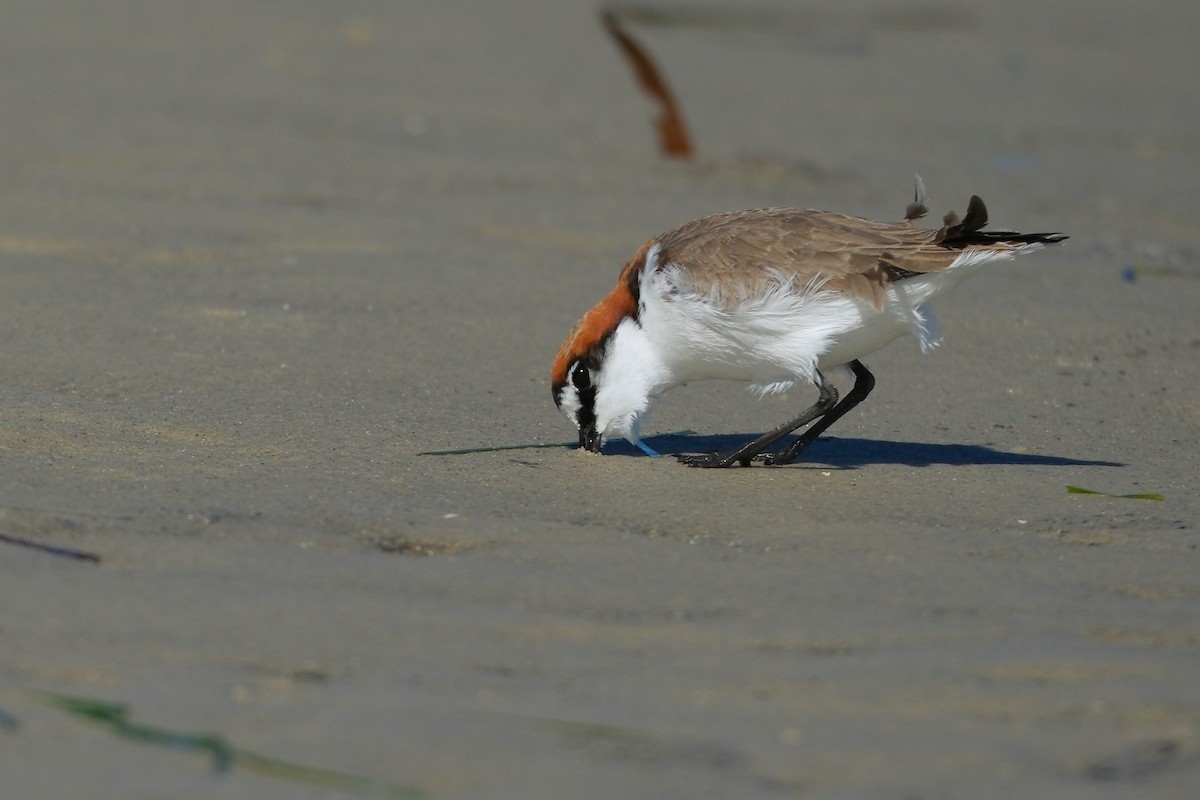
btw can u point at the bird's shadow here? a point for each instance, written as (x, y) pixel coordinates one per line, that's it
(842, 453)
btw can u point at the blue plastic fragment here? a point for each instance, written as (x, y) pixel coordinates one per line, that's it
(645, 448)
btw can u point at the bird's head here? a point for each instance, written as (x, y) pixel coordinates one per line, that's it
(601, 382)
(607, 370)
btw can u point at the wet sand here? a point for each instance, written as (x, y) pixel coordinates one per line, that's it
(256, 259)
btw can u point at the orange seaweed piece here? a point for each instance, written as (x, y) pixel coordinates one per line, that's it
(672, 132)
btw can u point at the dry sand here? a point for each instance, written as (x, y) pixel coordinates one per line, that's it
(255, 257)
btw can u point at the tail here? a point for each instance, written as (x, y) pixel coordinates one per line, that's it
(969, 232)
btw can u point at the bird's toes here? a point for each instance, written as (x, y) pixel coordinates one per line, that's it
(705, 460)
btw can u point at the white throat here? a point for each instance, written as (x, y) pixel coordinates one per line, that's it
(632, 374)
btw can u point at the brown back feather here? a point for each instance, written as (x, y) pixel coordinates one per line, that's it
(736, 253)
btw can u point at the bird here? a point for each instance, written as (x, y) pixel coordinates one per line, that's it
(775, 298)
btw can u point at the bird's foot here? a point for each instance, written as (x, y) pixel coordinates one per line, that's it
(709, 460)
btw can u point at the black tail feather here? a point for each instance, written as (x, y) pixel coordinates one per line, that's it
(956, 235)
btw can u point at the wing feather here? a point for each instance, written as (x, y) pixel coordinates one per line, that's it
(733, 255)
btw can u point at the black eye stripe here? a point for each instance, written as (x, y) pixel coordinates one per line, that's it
(581, 379)
(586, 418)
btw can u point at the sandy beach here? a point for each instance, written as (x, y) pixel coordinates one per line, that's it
(256, 258)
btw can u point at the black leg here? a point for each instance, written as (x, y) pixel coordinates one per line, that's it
(746, 453)
(864, 382)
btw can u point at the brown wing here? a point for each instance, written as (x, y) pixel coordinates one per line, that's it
(736, 252)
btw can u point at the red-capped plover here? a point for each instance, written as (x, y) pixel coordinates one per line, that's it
(773, 297)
